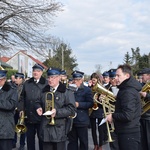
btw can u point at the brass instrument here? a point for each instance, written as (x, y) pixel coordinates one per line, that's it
(65, 82)
(107, 101)
(102, 90)
(20, 127)
(107, 125)
(145, 104)
(99, 89)
(49, 105)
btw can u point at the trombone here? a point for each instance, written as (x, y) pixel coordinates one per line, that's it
(49, 105)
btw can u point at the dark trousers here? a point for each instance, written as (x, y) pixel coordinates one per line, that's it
(78, 133)
(32, 130)
(101, 131)
(22, 136)
(145, 134)
(6, 144)
(54, 146)
(129, 141)
(114, 145)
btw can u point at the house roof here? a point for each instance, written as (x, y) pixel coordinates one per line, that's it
(37, 61)
(5, 59)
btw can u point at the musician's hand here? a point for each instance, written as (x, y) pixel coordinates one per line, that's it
(39, 111)
(77, 104)
(143, 94)
(53, 112)
(109, 118)
(21, 113)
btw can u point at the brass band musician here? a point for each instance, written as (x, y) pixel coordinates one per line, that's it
(8, 103)
(145, 118)
(96, 116)
(62, 105)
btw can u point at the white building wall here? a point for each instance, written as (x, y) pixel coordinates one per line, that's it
(27, 63)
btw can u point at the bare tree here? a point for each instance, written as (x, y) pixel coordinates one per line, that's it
(23, 22)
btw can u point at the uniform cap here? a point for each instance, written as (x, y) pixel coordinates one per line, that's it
(70, 79)
(63, 72)
(53, 71)
(3, 73)
(105, 74)
(38, 66)
(21, 75)
(112, 73)
(77, 74)
(144, 71)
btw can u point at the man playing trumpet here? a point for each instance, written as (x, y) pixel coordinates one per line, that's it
(53, 133)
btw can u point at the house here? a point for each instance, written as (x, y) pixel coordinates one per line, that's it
(22, 62)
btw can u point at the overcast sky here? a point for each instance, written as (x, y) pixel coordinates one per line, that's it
(101, 32)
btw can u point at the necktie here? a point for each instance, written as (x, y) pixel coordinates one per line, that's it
(35, 81)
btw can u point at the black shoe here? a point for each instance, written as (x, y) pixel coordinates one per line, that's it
(21, 147)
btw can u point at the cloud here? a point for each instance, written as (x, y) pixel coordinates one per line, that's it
(101, 32)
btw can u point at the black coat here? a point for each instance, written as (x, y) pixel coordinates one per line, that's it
(85, 99)
(8, 103)
(64, 103)
(128, 107)
(30, 93)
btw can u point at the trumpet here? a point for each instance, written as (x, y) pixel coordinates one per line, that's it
(20, 127)
(49, 105)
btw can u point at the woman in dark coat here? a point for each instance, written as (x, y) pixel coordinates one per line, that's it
(95, 118)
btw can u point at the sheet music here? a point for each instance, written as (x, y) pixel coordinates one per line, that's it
(48, 113)
(103, 121)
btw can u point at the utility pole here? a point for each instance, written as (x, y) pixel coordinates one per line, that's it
(62, 54)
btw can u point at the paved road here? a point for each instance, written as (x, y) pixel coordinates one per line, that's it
(105, 147)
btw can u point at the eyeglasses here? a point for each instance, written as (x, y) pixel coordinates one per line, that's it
(2, 79)
(112, 78)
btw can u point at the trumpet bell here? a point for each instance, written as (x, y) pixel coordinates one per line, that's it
(20, 128)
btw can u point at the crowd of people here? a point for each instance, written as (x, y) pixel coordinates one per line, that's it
(60, 111)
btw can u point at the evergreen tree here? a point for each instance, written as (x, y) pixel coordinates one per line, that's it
(62, 58)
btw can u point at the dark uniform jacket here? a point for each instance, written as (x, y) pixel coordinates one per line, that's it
(8, 103)
(85, 99)
(64, 103)
(128, 107)
(30, 93)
